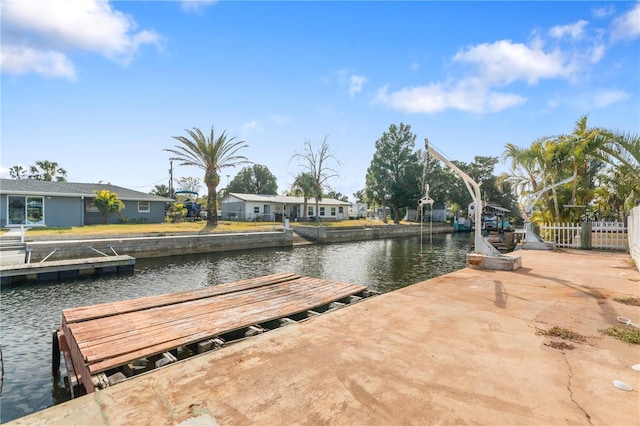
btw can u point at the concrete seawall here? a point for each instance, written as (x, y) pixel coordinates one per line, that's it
(159, 246)
(323, 234)
(170, 245)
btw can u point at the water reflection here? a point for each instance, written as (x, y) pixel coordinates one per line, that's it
(30, 314)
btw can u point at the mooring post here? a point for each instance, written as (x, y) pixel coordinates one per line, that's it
(585, 236)
(55, 355)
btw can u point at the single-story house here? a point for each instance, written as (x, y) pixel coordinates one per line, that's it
(276, 208)
(42, 203)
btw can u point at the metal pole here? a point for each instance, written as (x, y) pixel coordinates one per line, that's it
(481, 246)
(171, 178)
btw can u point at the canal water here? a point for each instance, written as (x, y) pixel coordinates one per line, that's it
(29, 314)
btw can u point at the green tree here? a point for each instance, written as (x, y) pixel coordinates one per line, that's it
(620, 148)
(48, 170)
(361, 196)
(303, 187)
(337, 195)
(189, 184)
(255, 179)
(581, 153)
(212, 155)
(161, 190)
(445, 185)
(617, 193)
(394, 175)
(320, 165)
(107, 202)
(18, 172)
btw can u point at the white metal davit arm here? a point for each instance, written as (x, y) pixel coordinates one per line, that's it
(481, 245)
(529, 235)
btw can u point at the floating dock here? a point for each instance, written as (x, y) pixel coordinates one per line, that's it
(109, 343)
(62, 269)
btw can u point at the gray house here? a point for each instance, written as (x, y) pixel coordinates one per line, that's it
(41, 203)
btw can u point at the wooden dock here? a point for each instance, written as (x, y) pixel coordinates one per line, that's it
(61, 269)
(108, 343)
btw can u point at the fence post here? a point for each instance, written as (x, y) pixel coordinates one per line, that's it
(585, 236)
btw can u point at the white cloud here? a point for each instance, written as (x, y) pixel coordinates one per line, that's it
(627, 26)
(280, 118)
(250, 126)
(604, 98)
(355, 84)
(597, 53)
(504, 62)
(488, 68)
(196, 6)
(465, 96)
(572, 31)
(603, 12)
(20, 60)
(38, 35)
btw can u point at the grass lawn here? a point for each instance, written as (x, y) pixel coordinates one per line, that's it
(199, 227)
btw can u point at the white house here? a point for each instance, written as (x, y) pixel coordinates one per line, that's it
(276, 208)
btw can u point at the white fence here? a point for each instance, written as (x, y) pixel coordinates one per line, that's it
(604, 235)
(634, 234)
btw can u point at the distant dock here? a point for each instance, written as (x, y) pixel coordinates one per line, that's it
(12, 275)
(109, 343)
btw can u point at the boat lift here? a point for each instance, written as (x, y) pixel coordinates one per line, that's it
(531, 240)
(485, 256)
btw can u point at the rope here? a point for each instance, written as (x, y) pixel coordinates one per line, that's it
(431, 229)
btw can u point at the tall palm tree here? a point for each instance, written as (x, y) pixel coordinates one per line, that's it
(212, 155)
(303, 187)
(581, 149)
(48, 170)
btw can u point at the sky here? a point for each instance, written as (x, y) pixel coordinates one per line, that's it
(102, 87)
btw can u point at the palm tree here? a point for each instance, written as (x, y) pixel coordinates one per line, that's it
(18, 172)
(582, 147)
(48, 170)
(211, 155)
(161, 190)
(620, 147)
(303, 187)
(525, 168)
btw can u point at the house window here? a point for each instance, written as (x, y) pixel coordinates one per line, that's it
(256, 209)
(333, 211)
(310, 211)
(144, 207)
(321, 211)
(25, 210)
(90, 207)
(341, 210)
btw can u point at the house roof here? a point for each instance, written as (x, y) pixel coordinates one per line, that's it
(71, 189)
(284, 199)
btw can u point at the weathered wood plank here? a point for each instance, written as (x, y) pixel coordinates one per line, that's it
(106, 336)
(85, 313)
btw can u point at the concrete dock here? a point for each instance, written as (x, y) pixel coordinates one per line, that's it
(464, 348)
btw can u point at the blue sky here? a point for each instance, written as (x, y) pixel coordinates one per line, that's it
(101, 87)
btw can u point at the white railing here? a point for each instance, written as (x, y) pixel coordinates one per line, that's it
(604, 235)
(634, 234)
